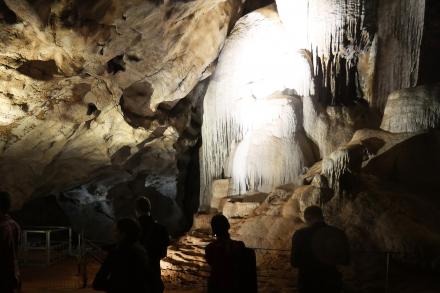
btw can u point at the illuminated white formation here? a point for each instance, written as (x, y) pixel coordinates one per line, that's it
(251, 118)
(412, 110)
(321, 25)
(335, 29)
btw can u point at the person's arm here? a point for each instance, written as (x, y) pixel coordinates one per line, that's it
(164, 241)
(295, 255)
(209, 254)
(144, 273)
(346, 244)
(101, 281)
(7, 255)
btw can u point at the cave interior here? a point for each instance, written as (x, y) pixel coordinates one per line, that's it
(256, 109)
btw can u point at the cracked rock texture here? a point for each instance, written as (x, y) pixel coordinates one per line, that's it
(104, 89)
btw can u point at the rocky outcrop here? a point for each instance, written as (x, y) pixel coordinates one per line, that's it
(331, 126)
(105, 89)
(97, 97)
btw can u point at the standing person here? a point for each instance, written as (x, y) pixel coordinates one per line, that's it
(154, 238)
(127, 267)
(233, 266)
(316, 251)
(9, 239)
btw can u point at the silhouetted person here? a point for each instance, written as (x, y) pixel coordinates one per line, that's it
(233, 266)
(126, 268)
(316, 251)
(154, 238)
(9, 239)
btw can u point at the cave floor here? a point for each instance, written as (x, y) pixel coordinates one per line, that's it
(185, 271)
(63, 277)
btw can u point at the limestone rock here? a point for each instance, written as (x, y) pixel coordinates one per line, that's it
(413, 163)
(239, 209)
(202, 221)
(412, 109)
(91, 88)
(394, 221)
(220, 190)
(330, 127)
(252, 124)
(267, 231)
(349, 159)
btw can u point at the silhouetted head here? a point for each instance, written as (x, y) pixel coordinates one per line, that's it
(143, 206)
(127, 230)
(313, 214)
(5, 202)
(220, 226)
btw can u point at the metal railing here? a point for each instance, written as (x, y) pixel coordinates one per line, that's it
(94, 250)
(386, 254)
(88, 248)
(41, 239)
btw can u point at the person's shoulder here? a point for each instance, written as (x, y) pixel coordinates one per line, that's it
(138, 249)
(211, 246)
(144, 219)
(159, 227)
(301, 231)
(8, 221)
(335, 229)
(238, 243)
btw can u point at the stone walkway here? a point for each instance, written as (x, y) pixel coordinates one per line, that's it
(184, 271)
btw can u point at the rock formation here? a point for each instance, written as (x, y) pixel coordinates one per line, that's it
(226, 106)
(252, 124)
(99, 92)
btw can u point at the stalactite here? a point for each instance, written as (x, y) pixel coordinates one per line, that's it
(250, 115)
(334, 166)
(400, 33)
(336, 32)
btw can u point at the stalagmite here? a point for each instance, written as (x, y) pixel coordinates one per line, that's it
(251, 116)
(412, 110)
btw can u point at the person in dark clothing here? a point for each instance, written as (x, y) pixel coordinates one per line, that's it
(127, 267)
(233, 266)
(316, 251)
(154, 238)
(9, 239)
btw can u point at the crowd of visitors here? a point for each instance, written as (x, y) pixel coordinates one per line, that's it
(133, 265)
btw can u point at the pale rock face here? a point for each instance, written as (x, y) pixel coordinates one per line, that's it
(81, 83)
(239, 209)
(337, 39)
(412, 110)
(397, 71)
(351, 157)
(380, 40)
(220, 190)
(252, 124)
(329, 127)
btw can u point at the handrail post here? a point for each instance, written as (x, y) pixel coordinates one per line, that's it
(83, 259)
(70, 242)
(387, 274)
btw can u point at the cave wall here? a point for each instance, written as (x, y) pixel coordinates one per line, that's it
(98, 93)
